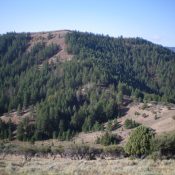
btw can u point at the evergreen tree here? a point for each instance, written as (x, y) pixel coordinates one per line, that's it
(139, 142)
(20, 131)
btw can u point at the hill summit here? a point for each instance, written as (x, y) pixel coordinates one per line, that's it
(73, 81)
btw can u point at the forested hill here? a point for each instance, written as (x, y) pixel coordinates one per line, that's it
(84, 92)
(134, 61)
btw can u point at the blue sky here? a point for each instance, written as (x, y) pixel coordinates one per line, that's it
(150, 19)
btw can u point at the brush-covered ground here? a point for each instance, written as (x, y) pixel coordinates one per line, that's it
(39, 73)
(156, 116)
(160, 117)
(59, 166)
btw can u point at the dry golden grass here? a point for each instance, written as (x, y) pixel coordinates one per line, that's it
(82, 167)
(47, 166)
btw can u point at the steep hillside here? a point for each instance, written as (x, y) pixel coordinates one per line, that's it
(55, 37)
(135, 61)
(66, 82)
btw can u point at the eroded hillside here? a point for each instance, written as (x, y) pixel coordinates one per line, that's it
(54, 37)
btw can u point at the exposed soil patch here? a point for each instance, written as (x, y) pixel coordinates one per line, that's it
(55, 37)
(156, 116)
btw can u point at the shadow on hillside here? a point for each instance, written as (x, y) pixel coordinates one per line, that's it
(123, 111)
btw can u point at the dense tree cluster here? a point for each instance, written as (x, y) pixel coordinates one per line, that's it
(6, 130)
(141, 64)
(21, 83)
(82, 94)
(68, 111)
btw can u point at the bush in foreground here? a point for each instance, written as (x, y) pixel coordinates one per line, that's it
(114, 151)
(164, 145)
(139, 142)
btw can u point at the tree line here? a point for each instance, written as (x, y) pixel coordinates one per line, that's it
(82, 94)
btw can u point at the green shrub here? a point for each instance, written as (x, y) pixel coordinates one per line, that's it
(44, 149)
(112, 125)
(35, 149)
(129, 124)
(66, 135)
(28, 150)
(97, 127)
(57, 150)
(108, 139)
(139, 142)
(114, 150)
(82, 152)
(155, 156)
(164, 145)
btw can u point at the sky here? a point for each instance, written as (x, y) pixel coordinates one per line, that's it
(153, 20)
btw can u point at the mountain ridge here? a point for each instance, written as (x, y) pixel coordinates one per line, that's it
(75, 81)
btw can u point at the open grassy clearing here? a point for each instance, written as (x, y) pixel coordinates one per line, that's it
(13, 165)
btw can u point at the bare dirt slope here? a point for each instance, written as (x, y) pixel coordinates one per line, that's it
(156, 116)
(55, 37)
(16, 118)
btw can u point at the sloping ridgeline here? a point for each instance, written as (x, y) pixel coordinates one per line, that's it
(134, 61)
(85, 92)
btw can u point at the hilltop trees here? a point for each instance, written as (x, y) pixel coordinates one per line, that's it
(82, 94)
(140, 64)
(20, 80)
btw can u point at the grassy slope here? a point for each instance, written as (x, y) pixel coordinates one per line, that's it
(69, 167)
(164, 123)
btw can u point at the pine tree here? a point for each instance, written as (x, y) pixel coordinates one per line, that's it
(20, 131)
(19, 110)
(61, 126)
(139, 142)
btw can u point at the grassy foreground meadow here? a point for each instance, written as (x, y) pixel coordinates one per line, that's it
(125, 166)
